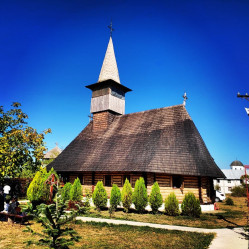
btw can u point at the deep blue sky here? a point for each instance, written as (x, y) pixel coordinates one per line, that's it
(50, 50)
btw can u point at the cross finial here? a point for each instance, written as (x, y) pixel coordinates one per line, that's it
(184, 98)
(111, 29)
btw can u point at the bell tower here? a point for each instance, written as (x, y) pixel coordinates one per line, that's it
(108, 95)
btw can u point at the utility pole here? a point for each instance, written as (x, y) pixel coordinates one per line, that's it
(246, 97)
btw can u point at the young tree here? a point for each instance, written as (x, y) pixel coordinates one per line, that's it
(21, 146)
(126, 196)
(115, 197)
(99, 196)
(191, 206)
(38, 191)
(76, 191)
(139, 196)
(172, 205)
(156, 199)
(65, 192)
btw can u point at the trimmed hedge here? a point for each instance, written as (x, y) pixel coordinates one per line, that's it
(156, 199)
(172, 205)
(115, 198)
(126, 195)
(99, 196)
(191, 206)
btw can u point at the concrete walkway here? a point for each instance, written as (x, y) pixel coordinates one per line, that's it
(224, 239)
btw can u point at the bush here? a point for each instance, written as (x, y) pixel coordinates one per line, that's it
(99, 196)
(156, 199)
(238, 191)
(126, 196)
(191, 206)
(115, 198)
(140, 197)
(76, 191)
(229, 201)
(38, 191)
(172, 205)
(65, 192)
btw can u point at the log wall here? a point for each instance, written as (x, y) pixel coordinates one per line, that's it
(200, 186)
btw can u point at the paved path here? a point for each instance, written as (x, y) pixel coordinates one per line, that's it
(225, 238)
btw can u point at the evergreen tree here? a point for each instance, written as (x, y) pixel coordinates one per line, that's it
(76, 191)
(65, 192)
(139, 196)
(115, 197)
(99, 196)
(191, 206)
(126, 195)
(172, 205)
(38, 191)
(156, 199)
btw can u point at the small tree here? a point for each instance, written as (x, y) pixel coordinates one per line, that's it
(191, 206)
(65, 192)
(76, 191)
(99, 196)
(172, 205)
(238, 191)
(126, 195)
(139, 196)
(115, 197)
(38, 191)
(54, 218)
(156, 199)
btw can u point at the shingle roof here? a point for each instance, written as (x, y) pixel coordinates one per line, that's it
(53, 153)
(162, 140)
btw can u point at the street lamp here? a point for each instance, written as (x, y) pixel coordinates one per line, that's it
(246, 97)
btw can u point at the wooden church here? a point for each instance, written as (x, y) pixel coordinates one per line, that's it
(160, 145)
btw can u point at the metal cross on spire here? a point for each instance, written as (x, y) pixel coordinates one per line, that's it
(184, 98)
(111, 29)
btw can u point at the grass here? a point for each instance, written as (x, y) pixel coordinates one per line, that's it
(102, 235)
(226, 217)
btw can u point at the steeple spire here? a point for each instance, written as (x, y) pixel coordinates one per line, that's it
(109, 68)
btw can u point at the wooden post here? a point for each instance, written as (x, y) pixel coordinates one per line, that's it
(200, 189)
(93, 181)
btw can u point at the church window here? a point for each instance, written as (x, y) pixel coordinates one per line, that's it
(177, 181)
(108, 181)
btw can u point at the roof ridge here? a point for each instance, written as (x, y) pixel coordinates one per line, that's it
(161, 108)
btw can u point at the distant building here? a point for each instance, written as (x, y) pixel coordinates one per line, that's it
(51, 155)
(232, 179)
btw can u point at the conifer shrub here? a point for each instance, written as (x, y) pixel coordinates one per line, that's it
(99, 196)
(38, 191)
(65, 192)
(156, 199)
(139, 196)
(76, 193)
(115, 198)
(229, 201)
(172, 205)
(191, 206)
(126, 195)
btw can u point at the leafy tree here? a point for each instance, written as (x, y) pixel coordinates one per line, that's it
(139, 196)
(21, 146)
(38, 191)
(65, 192)
(115, 197)
(191, 206)
(76, 191)
(172, 205)
(99, 196)
(126, 195)
(156, 199)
